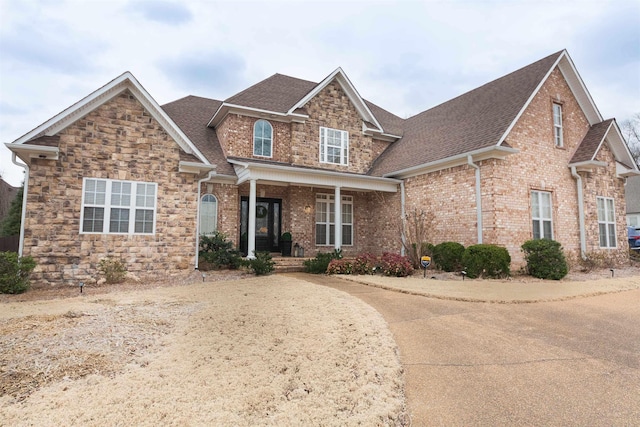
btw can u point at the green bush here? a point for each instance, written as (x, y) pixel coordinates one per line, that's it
(113, 270)
(262, 264)
(545, 259)
(15, 272)
(217, 252)
(320, 263)
(395, 265)
(486, 261)
(447, 256)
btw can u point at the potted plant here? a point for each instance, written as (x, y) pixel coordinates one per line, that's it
(285, 243)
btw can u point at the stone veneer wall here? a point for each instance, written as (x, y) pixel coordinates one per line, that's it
(236, 138)
(332, 108)
(119, 140)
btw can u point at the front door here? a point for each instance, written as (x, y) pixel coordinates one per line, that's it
(267, 224)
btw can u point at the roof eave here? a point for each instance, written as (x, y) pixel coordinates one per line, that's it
(492, 152)
(27, 152)
(225, 109)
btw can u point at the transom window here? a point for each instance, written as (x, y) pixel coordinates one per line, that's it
(262, 138)
(557, 125)
(325, 220)
(606, 222)
(541, 215)
(334, 146)
(118, 207)
(208, 214)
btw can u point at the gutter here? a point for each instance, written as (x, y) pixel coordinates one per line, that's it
(25, 193)
(210, 175)
(478, 197)
(583, 241)
(403, 218)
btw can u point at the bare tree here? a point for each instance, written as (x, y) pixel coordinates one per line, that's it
(631, 132)
(415, 228)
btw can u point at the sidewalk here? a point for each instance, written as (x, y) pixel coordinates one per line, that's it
(498, 291)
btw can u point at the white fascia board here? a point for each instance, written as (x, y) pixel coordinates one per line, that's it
(194, 167)
(579, 89)
(588, 165)
(491, 152)
(533, 95)
(620, 147)
(226, 109)
(26, 152)
(101, 96)
(349, 89)
(318, 178)
(624, 172)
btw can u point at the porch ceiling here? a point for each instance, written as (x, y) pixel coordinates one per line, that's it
(289, 175)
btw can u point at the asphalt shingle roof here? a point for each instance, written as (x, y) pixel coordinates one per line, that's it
(474, 120)
(591, 141)
(277, 93)
(192, 114)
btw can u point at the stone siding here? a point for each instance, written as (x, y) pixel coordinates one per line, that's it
(236, 138)
(119, 140)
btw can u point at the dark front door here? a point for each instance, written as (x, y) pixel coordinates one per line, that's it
(267, 224)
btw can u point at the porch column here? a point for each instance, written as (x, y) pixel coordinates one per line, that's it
(337, 215)
(251, 232)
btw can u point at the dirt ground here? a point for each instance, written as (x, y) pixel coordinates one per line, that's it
(247, 351)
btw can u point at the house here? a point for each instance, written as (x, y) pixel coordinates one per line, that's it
(525, 156)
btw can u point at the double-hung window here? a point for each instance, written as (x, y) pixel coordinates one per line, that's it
(606, 222)
(118, 207)
(325, 220)
(541, 215)
(557, 125)
(262, 138)
(334, 146)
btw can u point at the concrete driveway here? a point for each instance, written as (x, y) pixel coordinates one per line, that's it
(573, 362)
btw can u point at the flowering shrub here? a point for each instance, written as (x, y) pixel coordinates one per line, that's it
(365, 264)
(395, 265)
(340, 266)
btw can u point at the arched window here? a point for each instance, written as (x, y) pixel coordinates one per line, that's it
(208, 214)
(262, 138)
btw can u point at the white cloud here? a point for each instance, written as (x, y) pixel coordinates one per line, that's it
(403, 56)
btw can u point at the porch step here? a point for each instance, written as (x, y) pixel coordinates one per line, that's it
(288, 264)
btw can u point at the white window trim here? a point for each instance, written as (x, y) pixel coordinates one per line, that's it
(541, 219)
(557, 126)
(344, 146)
(254, 139)
(107, 207)
(215, 214)
(328, 199)
(607, 222)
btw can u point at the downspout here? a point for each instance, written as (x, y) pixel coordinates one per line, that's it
(478, 197)
(403, 217)
(207, 178)
(25, 192)
(583, 241)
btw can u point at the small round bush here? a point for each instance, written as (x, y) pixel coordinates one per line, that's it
(340, 266)
(486, 261)
(448, 256)
(395, 265)
(545, 259)
(365, 264)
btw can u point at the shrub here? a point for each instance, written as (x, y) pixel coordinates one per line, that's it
(486, 261)
(113, 270)
(15, 272)
(320, 263)
(218, 252)
(340, 266)
(448, 256)
(415, 228)
(365, 264)
(395, 265)
(262, 264)
(545, 259)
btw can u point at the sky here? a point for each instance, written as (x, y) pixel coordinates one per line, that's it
(405, 56)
